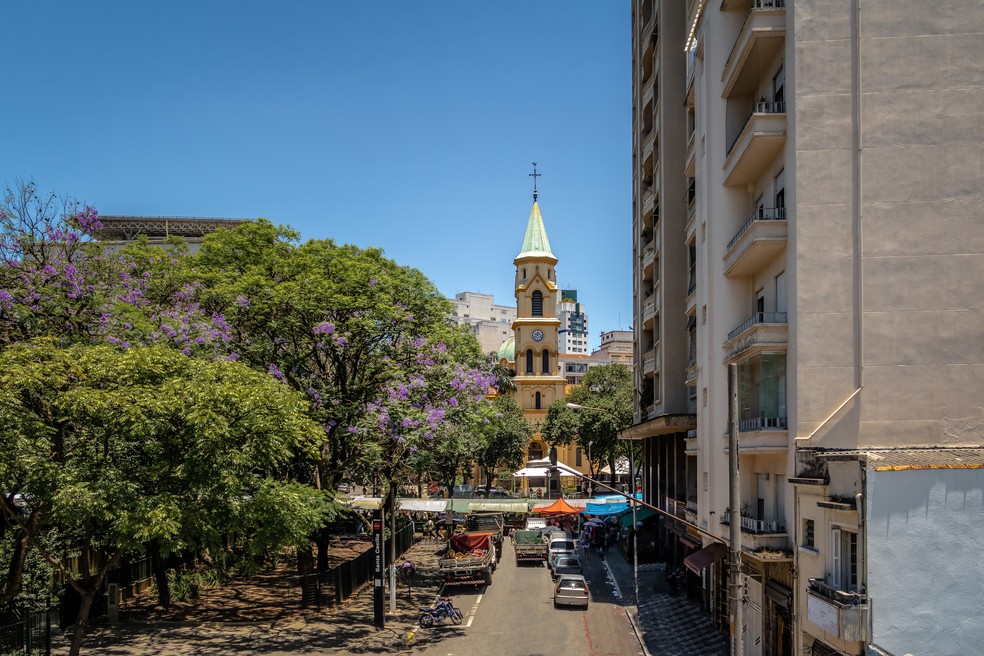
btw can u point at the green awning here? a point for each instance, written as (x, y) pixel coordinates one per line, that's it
(641, 514)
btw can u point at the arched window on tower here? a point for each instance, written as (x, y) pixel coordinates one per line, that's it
(537, 402)
(546, 363)
(537, 303)
(529, 362)
(536, 451)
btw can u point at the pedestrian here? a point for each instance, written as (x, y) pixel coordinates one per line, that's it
(586, 546)
(429, 529)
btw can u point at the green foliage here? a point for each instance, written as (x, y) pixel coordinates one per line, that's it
(505, 437)
(606, 394)
(338, 323)
(118, 448)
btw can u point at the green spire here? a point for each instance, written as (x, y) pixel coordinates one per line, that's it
(535, 243)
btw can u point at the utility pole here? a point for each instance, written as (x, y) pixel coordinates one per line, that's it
(734, 553)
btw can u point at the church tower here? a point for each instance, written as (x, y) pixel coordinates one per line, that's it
(536, 329)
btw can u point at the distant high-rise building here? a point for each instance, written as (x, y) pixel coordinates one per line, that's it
(490, 322)
(573, 333)
(616, 347)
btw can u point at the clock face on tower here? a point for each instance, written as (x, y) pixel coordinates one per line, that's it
(537, 335)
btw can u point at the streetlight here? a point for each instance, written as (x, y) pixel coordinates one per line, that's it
(632, 498)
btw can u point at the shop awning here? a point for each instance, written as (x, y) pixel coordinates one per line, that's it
(558, 507)
(641, 514)
(602, 509)
(518, 506)
(422, 505)
(541, 472)
(701, 559)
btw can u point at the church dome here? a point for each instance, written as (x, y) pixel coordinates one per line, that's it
(507, 351)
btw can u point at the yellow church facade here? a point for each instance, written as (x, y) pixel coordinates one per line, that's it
(533, 351)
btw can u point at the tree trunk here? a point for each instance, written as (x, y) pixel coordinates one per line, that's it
(160, 575)
(322, 538)
(305, 564)
(81, 622)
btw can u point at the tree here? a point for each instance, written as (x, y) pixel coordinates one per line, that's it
(506, 436)
(117, 448)
(606, 394)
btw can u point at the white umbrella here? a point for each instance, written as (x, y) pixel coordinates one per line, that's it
(594, 521)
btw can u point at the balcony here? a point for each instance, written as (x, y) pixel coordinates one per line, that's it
(690, 443)
(839, 613)
(760, 533)
(648, 309)
(761, 39)
(761, 435)
(756, 144)
(690, 157)
(676, 508)
(648, 197)
(763, 331)
(757, 242)
(648, 145)
(649, 361)
(648, 254)
(693, 373)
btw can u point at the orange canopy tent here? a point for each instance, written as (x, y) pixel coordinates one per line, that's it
(558, 507)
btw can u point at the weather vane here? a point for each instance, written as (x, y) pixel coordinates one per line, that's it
(534, 175)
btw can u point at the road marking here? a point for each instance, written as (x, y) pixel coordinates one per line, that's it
(474, 609)
(611, 577)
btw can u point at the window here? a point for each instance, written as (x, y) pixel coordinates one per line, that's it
(537, 303)
(536, 451)
(577, 457)
(843, 559)
(808, 537)
(546, 363)
(537, 401)
(529, 362)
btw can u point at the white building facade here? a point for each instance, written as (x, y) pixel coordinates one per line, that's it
(806, 212)
(491, 322)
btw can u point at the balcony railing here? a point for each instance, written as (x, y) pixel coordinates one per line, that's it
(761, 423)
(760, 108)
(757, 526)
(820, 587)
(838, 612)
(761, 214)
(676, 508)
(756, 319)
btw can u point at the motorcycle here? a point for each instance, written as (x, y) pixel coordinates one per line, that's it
(442, 610)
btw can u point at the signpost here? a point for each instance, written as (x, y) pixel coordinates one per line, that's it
(378, 598)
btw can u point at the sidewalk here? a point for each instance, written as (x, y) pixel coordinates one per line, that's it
(669, 625)
(346, 629)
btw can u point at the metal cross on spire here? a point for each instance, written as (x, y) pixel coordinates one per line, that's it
(534, 175)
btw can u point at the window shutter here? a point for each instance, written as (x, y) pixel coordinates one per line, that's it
(836, 559)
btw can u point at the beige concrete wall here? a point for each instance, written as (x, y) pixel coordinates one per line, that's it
(899, 308)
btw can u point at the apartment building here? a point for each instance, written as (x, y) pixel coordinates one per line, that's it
(807, 189)
(573, 317)
(490, 322)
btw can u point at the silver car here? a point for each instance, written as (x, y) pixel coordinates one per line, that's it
(571, 590)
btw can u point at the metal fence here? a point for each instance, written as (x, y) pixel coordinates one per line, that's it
(24, 631)
(335, 585)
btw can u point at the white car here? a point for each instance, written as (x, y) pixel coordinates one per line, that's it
(571, 590)
(560, 545)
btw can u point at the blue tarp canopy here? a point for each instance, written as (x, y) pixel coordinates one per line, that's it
(608, 498)
(605, 508)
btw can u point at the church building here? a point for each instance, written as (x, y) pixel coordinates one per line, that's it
(533, 351)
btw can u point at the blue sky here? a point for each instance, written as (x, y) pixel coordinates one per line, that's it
(405, 125)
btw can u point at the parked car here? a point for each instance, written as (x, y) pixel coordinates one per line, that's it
(571, 590)
(344, 488)
(564, 564)
(560, 544)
